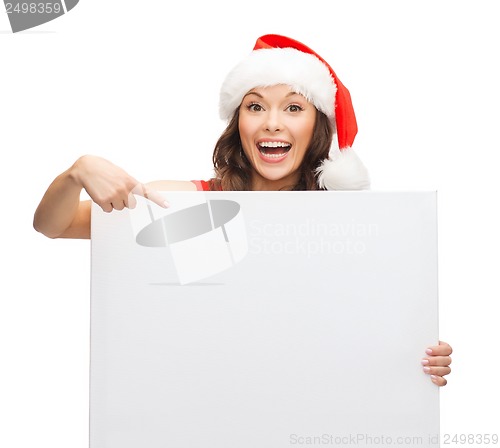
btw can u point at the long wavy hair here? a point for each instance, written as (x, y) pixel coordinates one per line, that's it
(233, 170)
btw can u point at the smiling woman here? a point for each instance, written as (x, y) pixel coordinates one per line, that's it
(283, 95)
(283, 104)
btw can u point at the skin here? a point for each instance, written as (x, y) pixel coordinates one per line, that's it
(275, 114)
(437, 362)
(61, 214)
(266, 114)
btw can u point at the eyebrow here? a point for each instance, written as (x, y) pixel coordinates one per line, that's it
(253, 93)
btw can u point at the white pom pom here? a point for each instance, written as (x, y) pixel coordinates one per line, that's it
(343, 171)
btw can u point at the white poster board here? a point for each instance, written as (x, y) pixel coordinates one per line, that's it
(265, 320)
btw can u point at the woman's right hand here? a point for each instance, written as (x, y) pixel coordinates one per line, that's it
(61, 214)
(110, 186)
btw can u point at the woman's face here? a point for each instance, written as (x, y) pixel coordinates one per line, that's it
(276, 127)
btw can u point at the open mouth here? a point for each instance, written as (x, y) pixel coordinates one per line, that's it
(274, 150)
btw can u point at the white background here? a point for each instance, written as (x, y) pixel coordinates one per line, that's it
(137, 83)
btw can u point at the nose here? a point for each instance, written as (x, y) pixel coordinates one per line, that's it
(273, 121)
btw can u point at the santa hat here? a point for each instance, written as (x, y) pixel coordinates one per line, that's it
(281, 60)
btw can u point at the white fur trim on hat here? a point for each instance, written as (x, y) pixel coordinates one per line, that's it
(303, 72)
(343, 171)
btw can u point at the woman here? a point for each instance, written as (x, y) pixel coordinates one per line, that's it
(284, 105)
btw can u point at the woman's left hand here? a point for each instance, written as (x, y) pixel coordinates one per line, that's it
(437, 363)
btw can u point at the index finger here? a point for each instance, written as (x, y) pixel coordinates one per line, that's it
(150, 194)
(443, 349)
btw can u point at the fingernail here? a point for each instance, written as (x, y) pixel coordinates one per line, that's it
(427, 369)
(429, 351)
(433, 377)
(425, 362)
(166, 204)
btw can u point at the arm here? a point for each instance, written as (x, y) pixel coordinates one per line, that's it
(61, 214)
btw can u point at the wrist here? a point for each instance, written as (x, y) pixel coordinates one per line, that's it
(76, 172)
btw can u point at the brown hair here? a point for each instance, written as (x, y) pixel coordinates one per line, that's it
(232, 168)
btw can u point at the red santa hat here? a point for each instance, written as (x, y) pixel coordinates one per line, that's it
(281, 60)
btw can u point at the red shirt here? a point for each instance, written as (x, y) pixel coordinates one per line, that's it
(203, 185)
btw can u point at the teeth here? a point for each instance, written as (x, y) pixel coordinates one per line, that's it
(274, 156)
(274, 144)
(265, 146)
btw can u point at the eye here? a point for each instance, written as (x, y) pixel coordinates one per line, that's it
(294, 108)
(255, 107)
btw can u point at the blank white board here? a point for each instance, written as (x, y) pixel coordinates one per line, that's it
(264, 320)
